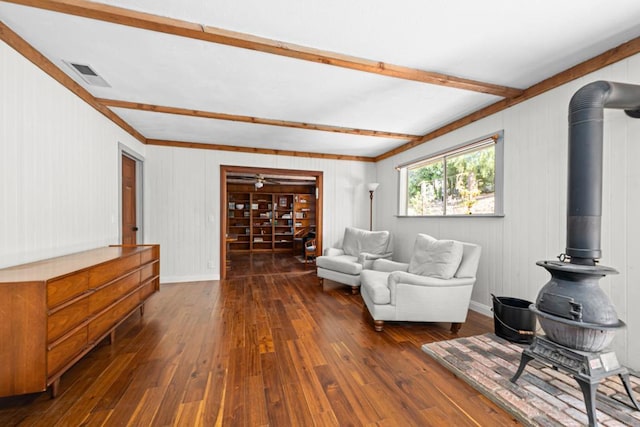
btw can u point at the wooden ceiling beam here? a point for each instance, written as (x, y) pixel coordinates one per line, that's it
(254, 150)
(254, 120)
(192, 30)
(609, 57)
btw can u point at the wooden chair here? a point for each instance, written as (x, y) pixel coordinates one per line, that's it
(309, 251)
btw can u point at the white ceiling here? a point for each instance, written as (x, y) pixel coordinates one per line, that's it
(504, 42)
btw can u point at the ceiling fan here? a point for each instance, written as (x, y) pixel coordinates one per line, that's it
(258, 180)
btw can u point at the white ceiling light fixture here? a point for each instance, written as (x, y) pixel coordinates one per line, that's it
(87, 74)
(259, 184)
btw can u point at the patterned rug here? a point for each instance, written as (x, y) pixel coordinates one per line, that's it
(542, 396)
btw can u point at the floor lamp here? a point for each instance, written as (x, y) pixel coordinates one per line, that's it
(371, 187)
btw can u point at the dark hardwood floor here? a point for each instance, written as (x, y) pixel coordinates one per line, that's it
(267, 346)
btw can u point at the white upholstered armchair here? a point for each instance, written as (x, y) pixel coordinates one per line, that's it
(360, 248)
(435, 286)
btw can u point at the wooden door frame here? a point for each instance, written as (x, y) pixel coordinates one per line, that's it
(227, 169)
(124, 150)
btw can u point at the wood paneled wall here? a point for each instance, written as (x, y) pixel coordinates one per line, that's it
(533, 229)
(58, 167)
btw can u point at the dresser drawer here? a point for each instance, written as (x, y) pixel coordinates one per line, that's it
(105, 296)
(64, 320)
(147, 290)
(104, 273)
(103, 323)
(66, 350)
(146, 256)
(61, 290)
(147, 272)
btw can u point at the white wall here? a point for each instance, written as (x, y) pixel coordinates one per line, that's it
(58, 167)
(182, 203)
(533, 229)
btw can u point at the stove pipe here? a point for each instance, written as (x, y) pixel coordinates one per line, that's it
(584, 204)
(572, 309)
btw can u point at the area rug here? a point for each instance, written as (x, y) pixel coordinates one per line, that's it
(301, 259)
(542, 396)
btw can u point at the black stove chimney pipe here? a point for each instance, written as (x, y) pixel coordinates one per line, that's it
(584, 200)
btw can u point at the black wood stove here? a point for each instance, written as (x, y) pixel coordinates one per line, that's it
(577, 317)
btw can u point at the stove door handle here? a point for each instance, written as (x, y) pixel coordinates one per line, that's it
(576, 310)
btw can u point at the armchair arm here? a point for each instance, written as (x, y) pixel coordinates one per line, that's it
(389, 266)
(416, 280)
(333, 252)
(366, 256)
(404, 280)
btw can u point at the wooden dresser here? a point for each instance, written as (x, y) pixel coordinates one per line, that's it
(53, 312)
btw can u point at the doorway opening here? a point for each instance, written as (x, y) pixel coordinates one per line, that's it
(268, 210)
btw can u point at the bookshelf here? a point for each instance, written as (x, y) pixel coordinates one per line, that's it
(267, 221)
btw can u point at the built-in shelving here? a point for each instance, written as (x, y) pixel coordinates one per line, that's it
(261, 221)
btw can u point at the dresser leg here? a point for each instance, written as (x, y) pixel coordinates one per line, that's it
(55, 388)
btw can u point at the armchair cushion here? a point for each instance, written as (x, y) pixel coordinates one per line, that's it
(346, 264)
(435, 258)
(357, 241)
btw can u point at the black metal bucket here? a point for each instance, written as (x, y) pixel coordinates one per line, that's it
(512, 319)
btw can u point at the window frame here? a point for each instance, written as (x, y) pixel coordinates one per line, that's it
(498, 143)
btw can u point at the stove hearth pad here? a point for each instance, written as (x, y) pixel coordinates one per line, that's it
(587, 368)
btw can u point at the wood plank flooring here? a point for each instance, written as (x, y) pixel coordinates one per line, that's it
(267, 346)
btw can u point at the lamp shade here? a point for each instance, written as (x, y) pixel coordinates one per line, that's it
(372, 186)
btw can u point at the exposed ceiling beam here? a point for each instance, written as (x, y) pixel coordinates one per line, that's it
(177, 27)
(25, 49)
(219, 147)
(255, 120)
(609, 57)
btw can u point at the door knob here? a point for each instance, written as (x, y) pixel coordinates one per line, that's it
(134, 228)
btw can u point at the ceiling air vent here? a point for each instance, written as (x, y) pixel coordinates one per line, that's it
(88, 74)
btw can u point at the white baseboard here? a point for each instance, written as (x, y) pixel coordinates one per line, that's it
(481, 308)
(184, 279)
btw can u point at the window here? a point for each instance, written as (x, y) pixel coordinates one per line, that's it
(463, 181)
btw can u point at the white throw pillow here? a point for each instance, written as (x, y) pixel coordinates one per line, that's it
(356, 241)
(350, 244)
(435, 258)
